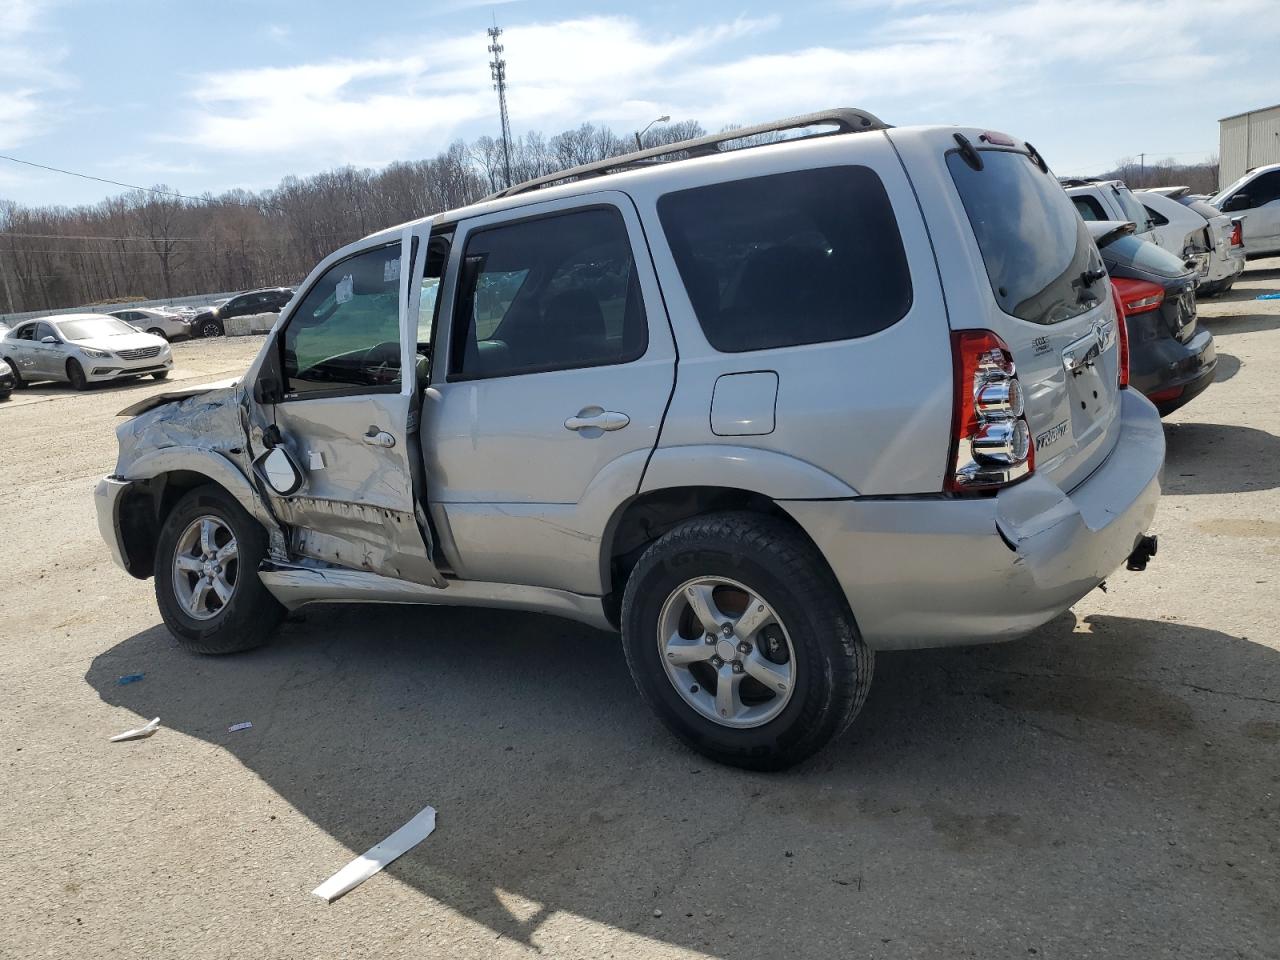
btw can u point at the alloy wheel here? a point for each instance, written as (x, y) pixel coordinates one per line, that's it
(726, 652)
(205, 567)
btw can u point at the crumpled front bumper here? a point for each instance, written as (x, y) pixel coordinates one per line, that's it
(106, 497)
(942, 571)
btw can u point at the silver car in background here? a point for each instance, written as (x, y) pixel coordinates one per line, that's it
(168, 324)
(83, 348)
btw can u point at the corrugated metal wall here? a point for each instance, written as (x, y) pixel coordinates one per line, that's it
(1247, 141)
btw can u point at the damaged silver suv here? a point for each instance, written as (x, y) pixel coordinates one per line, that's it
(765, 410)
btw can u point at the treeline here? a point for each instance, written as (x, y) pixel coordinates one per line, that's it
(1200, 177)
(145, 245)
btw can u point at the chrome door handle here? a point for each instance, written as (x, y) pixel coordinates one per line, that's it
(379, 438)
(602, 420)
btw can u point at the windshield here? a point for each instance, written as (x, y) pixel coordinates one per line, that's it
(1128, 250)
(1133, 210)
(1220, 197)
(93, 328)
(1034, 244)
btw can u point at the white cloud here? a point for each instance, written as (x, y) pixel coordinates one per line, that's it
(913, 57)
(29, 71)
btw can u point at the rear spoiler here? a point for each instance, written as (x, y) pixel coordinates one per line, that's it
(1107, 231)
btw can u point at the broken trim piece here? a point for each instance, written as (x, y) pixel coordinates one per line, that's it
(378, 856)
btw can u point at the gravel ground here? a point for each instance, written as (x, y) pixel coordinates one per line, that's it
(1105, 788)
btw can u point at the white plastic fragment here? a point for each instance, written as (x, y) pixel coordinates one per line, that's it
(378, 856)
(240, 726)
(138, 733)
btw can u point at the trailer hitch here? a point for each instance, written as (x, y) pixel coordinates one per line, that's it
(1143, 551)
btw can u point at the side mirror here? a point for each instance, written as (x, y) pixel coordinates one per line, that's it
(282, 474)
(1239, 201)
(49, 340)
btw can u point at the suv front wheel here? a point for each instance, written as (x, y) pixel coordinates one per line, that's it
(206, 574)
(739, 638)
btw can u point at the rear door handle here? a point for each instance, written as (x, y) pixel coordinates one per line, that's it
(379, 438)
(599, 420)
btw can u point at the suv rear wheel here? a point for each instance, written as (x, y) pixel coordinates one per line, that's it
(206, 574)
(739, 638)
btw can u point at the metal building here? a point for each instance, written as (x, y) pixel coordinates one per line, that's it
(1247, 140)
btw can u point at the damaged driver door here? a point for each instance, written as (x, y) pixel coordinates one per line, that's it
(338, 391)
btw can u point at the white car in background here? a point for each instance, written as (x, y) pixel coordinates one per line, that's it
(1197, 231)
(83, 348)
(1256, 197)
(159, 323)
(1111, 200)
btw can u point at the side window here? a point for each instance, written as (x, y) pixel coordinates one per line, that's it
(792, 258)
(346, 332)
(1158, 219)
(553, 293)
(44, 330)
(27, 333)
(1089, 208)
(429, 303)
(1263, 189)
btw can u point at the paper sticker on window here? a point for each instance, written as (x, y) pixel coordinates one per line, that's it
(343, 292)
(391, 270)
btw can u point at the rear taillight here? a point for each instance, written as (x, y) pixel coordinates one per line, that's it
(1138, 296)
(1122, 333)
(1237, 232)
(990, 439)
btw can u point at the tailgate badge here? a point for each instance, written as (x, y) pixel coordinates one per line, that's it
(1052, 435)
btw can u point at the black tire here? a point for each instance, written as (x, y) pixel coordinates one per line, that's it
(252, 613)
(209, 328)
(18, 382)
(157, 332)
(832, 666)
(161, 374)
(75, 373)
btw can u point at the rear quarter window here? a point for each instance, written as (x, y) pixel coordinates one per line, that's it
(809, 256)
(1033, 242)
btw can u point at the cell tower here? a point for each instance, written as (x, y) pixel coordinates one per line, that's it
(498, 71)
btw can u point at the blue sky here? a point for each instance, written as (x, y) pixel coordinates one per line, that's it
(239, 93)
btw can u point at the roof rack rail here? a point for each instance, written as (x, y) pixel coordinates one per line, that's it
(845, 119)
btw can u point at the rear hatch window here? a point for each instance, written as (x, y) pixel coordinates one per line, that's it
(1034, 244)
(1052, 302)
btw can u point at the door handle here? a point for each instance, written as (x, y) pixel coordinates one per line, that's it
(379, 438)
(600, 420)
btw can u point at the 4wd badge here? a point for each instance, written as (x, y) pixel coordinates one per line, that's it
(1052, 435)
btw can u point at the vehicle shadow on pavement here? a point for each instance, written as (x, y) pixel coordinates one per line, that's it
(996, 780)
(1219, 458)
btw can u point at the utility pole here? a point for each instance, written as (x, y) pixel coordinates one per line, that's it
(1142, 176)
(498, 71)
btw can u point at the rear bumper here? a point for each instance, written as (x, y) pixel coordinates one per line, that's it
(939, 571)
(1177, 372)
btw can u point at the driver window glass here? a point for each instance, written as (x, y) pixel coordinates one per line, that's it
(44, 330)
(346, 332)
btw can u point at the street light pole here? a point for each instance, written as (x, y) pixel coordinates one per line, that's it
(640, 135)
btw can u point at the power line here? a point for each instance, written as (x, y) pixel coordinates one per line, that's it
(118, 183)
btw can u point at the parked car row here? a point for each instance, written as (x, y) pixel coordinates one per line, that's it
(1210, 242)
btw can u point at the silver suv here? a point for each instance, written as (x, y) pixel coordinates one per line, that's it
(765, 410)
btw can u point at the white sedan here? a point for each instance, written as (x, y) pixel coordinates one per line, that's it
(83, 348)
